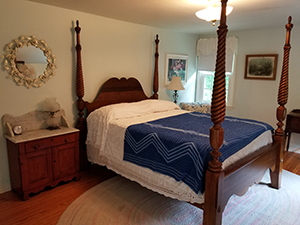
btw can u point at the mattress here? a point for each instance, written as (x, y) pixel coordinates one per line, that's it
(105, 145)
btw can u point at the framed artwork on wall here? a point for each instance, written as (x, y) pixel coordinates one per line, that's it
(176, 65)
(261, 67)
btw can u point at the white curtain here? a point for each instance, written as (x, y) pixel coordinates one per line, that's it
(207, 52)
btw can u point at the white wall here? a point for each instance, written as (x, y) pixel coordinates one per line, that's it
(109, 48)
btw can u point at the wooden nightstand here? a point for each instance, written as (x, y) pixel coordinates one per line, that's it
(40, 157)
(292, 125)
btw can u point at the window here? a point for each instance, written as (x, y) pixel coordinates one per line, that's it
(205, 82)
(206, 51)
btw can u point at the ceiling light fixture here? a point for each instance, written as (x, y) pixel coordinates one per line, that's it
(212, 13)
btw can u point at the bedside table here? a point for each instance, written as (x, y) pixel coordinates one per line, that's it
(40, 157)
(292, 125)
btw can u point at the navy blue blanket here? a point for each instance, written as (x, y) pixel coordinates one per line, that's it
(179, 146)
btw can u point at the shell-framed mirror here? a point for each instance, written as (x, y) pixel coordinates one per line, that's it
(29, 61)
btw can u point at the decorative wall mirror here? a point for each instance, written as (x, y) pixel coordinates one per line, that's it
(29, 61)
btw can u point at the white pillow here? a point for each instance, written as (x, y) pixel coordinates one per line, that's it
(129, 110)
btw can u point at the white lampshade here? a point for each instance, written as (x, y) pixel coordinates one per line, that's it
(212, 13)
(50, 105)
(175, 84)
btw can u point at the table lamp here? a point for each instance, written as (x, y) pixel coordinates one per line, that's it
(175, 85)
(52, 107)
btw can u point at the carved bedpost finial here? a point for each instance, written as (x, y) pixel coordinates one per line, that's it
(78, 29)
(155, 78)
(218, 103)
(288, 27)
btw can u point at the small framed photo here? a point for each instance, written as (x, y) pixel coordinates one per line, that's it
(261, 67)
(176, 65)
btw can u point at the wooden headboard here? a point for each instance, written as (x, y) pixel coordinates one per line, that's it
(117, 90)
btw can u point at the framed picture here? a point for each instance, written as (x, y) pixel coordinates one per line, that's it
(176, 65)
(261, 67)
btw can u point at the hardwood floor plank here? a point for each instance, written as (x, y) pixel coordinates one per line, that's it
(291, 162)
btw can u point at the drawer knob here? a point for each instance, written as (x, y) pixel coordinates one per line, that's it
(36, 146)
(67, 140)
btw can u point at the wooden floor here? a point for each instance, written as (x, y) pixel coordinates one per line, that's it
(46, 207)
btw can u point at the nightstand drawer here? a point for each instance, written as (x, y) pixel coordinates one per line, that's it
(293, 124)
(49, 142)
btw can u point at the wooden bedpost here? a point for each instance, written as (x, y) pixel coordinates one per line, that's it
(279, 136)
(79, 80)
(80, 124)
(155, 78)
(213, 208)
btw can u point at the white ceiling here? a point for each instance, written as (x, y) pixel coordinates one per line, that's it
(179, 15)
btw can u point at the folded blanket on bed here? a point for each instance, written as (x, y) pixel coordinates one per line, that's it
(179, 146)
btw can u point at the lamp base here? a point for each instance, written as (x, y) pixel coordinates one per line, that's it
(175, 96)
(53, 128)
(53, 122)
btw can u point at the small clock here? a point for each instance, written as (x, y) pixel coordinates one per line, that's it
(18, 129)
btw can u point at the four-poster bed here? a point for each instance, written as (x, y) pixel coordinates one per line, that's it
(221, 181)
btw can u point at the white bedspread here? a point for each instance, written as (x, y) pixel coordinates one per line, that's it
(108, 150)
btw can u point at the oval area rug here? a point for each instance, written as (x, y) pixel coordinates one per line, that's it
(120, 201)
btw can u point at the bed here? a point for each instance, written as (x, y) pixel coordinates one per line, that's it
(222, 178)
